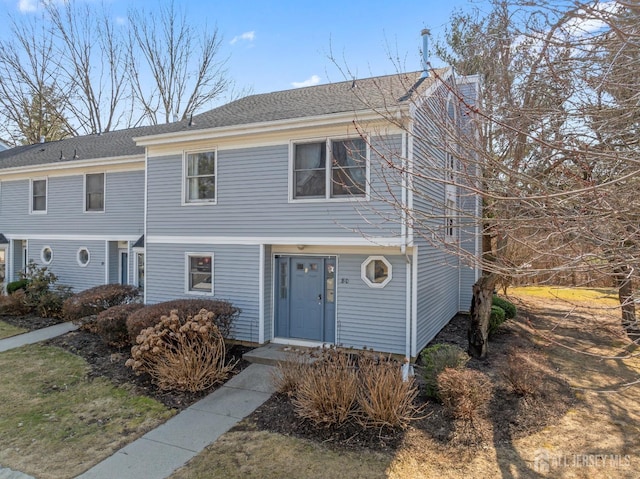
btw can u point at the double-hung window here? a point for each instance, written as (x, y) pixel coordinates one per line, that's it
(200, 177)
(330, 169)
(39, 195)
(94, 192)
(199, 273)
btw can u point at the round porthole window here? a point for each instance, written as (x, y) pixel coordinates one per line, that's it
(376, 271)
(46, 255)
(83, 257)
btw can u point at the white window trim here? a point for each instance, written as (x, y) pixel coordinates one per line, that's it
(328, 170)
(104, 193)
(78, 257)
(185, 158)
(44, 261)
(450, 213)
(46, 196)
(187, 273)
(363, 271)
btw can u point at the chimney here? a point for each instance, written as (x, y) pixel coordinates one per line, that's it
(425, 52)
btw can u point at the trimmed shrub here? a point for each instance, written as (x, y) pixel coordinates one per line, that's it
(522, 373)
(50, 302)
(100, 298)
(14, 286)
(438, 357)
(496, 319)
(384, 399)
(327, 394)
(465, 393)
(508, 307)
(37, 292)
(111, 324)
(14, 304)
(224, 314)
(182, 355)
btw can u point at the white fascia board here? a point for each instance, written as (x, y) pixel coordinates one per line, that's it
(262, 127)
(278, 240)
(72, 237)
(110, 162)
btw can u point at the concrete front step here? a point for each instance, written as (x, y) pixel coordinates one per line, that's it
(271, 354)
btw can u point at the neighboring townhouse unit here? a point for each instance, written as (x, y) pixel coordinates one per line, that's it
(75, 205)
(282, 203)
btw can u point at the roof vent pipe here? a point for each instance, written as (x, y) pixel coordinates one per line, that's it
(42, 138)
(425, 52)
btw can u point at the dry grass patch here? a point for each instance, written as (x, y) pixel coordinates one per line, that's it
(242, 454)
(7, 330)
(54, 423)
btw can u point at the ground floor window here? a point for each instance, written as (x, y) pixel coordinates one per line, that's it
(200, 273)
(376, 271)
(2, 265)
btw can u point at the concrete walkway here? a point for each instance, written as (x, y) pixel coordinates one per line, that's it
(161, 451)
(36, 336)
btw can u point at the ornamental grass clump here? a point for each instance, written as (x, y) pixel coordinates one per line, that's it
(384, 398)
(182, 355)
(340, 388)
(327, 394)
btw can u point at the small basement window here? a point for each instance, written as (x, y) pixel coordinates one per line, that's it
(46, 255)
(376, 271)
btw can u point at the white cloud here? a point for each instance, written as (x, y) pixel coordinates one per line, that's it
(249, 36)
(26, 6)
(121, 20)
(312, 80)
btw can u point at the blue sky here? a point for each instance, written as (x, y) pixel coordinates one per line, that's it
(276, 45)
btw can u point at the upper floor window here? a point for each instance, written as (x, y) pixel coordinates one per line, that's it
(344, 175)
(39, 196)
(94, 192)
(200, 177)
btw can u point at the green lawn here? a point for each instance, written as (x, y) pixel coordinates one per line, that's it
(55, 423)
(7, 330)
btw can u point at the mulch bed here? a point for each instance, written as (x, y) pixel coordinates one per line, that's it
(509, 416)
(30, 322)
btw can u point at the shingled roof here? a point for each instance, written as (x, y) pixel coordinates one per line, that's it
(348, 96)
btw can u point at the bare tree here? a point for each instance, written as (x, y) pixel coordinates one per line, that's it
(79, 69)
(32, 97)
(549, 149)
(185, 66)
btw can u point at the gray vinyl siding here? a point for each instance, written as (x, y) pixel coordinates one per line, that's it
(253, 200)
(371, 317)
(65, 265)
(114, 262)
(124, 206)
(235, 279)
(438, 284)
(470, 203)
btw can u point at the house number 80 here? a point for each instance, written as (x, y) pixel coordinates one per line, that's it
(344, 280)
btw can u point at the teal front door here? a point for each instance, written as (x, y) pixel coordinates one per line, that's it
(305, 298)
